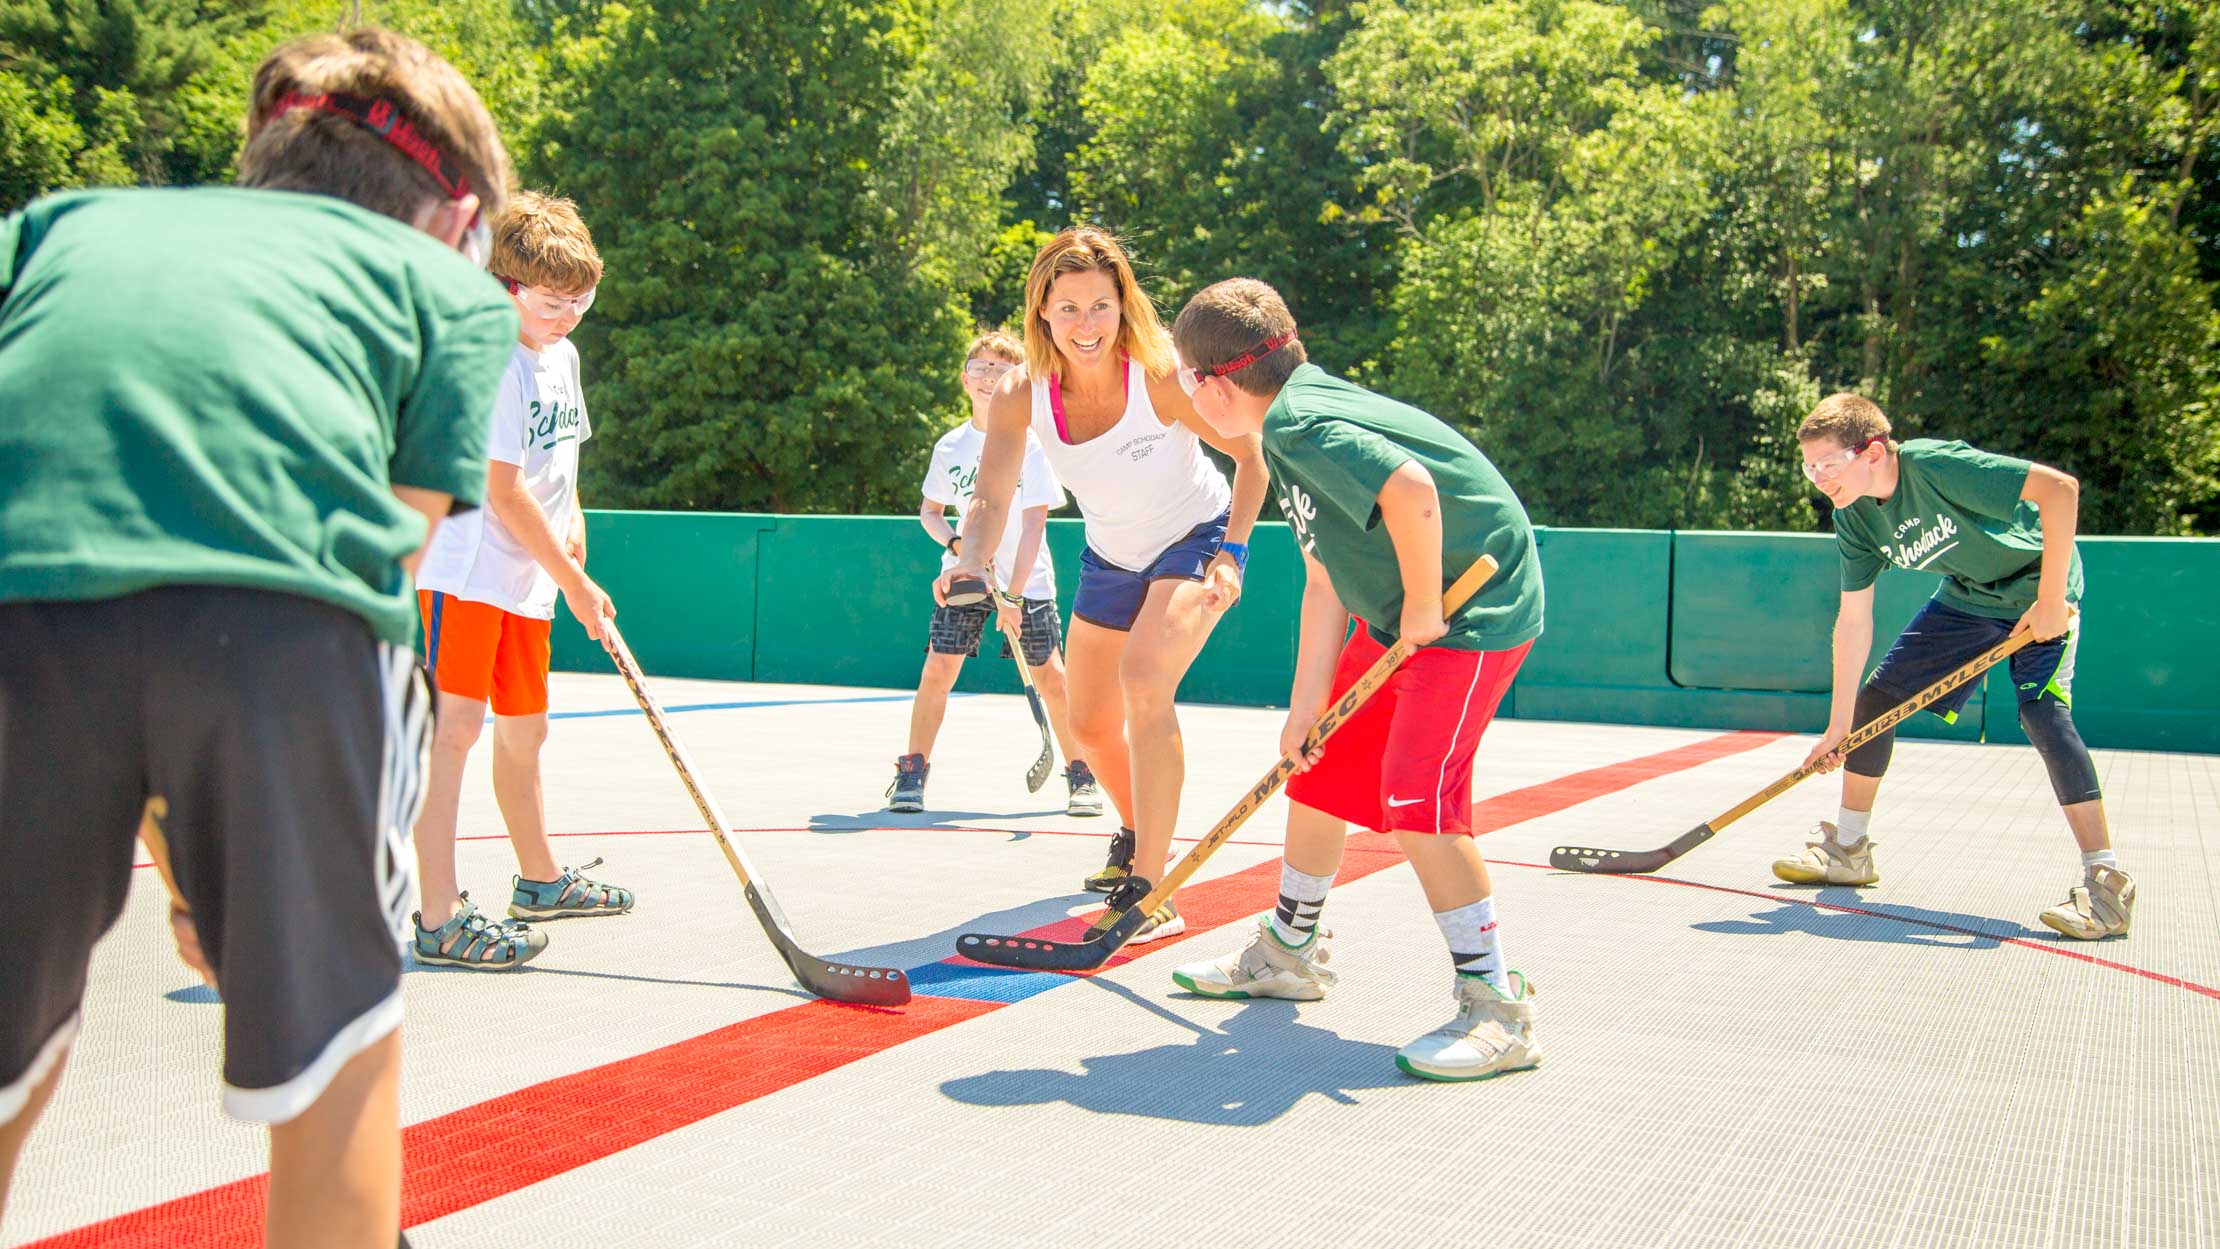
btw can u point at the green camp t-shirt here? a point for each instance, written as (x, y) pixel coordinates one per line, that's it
(1331, 446)
(218, 386)
(1956, 511)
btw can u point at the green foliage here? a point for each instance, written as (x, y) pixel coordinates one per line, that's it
(1624, 243)
(765, 340)
(38, 136)
(119, 71)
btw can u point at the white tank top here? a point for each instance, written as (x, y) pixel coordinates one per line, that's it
(1141, 484)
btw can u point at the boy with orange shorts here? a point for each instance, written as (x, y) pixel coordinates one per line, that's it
(1388, 505)
(487, 591)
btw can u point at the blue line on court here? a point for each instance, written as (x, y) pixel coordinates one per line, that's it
(983, 984)
(769, 702)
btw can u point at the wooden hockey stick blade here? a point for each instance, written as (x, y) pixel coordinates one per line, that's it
(1037, 775)
(839, 982)
(1039, 954)
(1624, 862)
(1113, 929)
(1628, 862)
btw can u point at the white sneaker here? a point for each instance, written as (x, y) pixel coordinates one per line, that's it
(1828, 862)
(1269, 967)
(1492, 1035)
(2099, 907)
(1165, 921)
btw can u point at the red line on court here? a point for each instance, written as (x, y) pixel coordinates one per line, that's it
(470, 1155)
(2022, 942)
(1235, 896)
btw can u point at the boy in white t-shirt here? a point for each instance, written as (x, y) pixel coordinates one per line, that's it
(488, 588)
(1029, 607)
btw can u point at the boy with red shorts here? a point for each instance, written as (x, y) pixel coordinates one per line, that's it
(488, 590)
(1388, 504)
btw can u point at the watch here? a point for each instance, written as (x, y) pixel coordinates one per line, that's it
(1239, 551)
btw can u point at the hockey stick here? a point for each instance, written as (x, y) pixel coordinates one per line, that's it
(1037, 775)
(1116, 927)
(840, 982)
(1631, 862)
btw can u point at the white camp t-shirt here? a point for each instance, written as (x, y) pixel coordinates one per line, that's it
(956, 464)
(1142, 485)
(539, 418)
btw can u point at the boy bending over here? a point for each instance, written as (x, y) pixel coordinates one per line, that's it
(1388, 504)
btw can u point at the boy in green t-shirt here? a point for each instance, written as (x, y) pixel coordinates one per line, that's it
(1388, 504)
(2001, 533)
(232, 415)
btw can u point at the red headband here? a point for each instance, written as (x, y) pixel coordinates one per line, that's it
(383, 118)
(1249, 357)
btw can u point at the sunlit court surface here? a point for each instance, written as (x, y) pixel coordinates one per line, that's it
(1728, 1060)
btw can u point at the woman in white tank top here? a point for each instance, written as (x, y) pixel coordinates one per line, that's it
(1167, 538)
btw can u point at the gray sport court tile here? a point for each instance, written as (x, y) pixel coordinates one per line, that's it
(1722, 1068)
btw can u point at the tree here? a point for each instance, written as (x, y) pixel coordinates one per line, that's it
(762, 341)
(1540, 188)
(122, 66)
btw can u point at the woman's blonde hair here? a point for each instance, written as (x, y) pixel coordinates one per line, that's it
(305, 149)
(1083, 249)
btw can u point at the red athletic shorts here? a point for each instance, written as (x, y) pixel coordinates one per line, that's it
(476, 650)
(1404, 761)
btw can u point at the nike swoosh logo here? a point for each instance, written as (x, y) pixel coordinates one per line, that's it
(1403, 802)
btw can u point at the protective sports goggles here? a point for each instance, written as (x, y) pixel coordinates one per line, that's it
(1191, 379)
(548, 304)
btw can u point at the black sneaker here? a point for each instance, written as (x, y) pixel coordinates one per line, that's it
(1164, 921)
(907, 793)
(1118, 868)
(1086, 795)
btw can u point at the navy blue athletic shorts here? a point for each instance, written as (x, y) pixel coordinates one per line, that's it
(1941, 638)
(1111, 597)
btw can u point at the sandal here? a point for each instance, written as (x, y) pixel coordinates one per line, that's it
(567, 895)
(474, 940)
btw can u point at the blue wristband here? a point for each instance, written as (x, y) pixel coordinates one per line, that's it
(1239, 551)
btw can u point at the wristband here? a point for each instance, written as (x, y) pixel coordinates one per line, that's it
(1239, 551)
(953, 539)
(1014, 600)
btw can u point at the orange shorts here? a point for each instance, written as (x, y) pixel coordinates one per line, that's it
(476, 650)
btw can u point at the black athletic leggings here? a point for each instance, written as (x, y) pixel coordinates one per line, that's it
(2049, 726)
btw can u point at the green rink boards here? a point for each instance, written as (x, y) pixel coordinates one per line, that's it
(1685, 629)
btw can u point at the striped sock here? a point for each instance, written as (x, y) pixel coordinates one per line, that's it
(1302, 897)
(1473, 946)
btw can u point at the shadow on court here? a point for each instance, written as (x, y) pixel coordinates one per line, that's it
(864, 821)
(917, 952)
(1253, 1067)
(1891, 922)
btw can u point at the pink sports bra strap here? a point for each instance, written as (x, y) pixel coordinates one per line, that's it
(1056, 396)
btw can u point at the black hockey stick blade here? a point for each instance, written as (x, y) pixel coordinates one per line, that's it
(1628, 862)
(1040, 954)
(1037, 775)
(838, 982)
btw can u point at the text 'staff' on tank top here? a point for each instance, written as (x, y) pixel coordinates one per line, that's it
(1141, 484)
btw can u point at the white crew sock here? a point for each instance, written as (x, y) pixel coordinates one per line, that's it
(2091, 858)
(1302, 897)
(1473, 947)
(1851, 825)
